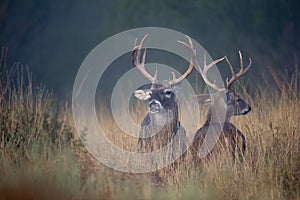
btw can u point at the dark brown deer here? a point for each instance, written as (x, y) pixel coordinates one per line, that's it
(161, 126)
(225, 102)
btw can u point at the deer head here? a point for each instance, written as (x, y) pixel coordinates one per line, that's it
(162, 94)
(225, 97)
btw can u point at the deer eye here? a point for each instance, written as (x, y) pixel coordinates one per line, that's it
(168, 93)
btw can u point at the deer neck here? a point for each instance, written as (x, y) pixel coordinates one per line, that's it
(218, 114)
(166, 121)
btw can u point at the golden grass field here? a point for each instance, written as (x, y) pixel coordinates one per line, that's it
(41, 157)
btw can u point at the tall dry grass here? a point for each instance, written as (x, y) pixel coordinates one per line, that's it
(41, 158)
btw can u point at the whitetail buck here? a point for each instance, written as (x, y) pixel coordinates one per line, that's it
(161, 126)
(224, 99)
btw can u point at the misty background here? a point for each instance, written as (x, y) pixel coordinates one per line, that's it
(54, 37)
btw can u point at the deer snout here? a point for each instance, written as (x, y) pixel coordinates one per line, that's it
(246, 110)
(154, 106)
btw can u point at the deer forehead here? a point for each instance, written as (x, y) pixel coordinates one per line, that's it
(162, 93)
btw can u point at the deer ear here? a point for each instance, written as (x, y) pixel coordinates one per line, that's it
(142, 95)
(203, 99)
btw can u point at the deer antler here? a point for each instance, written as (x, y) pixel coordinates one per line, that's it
(141, 65)
(190, 46)
(242, 71)
(206, 68)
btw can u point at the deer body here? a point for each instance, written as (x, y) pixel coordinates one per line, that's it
(231, 138)
(161, 127)
(224, 99)
(161, 123)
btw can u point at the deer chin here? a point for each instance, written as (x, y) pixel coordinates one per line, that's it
(243, 111)
(162, 117)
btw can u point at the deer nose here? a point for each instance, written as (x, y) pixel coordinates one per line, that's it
(153, 102)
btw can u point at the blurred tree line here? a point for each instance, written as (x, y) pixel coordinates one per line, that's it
(54, 37)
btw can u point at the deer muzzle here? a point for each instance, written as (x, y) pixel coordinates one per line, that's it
(154, 106)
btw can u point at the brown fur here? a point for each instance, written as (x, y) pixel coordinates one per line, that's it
(225, 103)
(236, 141)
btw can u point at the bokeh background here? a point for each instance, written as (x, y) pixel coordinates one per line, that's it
(54, 37)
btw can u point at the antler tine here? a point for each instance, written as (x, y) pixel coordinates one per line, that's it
(190, 46)
(206, 68)
(249, 65)
(136, 60)
(242, 71)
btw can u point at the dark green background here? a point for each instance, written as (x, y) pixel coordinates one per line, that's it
(53, 37)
